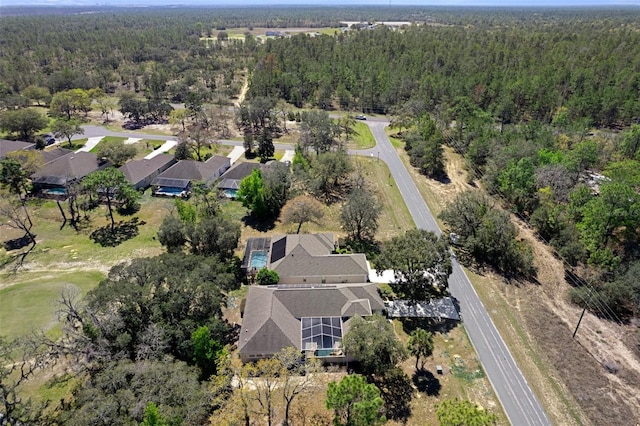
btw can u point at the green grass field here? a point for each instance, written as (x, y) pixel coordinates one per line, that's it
(31, 304)
(363, 138)
(108, 139)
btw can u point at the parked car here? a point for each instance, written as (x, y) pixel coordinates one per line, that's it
(361, 117)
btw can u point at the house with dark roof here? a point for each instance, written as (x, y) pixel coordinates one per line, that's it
(55, 176)
(230, 180)
(140, 173)
(7, 146)
(311, 318)
(309, 258)
(177, 179)
(54, 154)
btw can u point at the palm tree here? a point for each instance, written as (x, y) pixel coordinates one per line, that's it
(420, 345)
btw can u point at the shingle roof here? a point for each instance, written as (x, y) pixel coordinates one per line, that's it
(309, 255)
(300, 263)
(313, 244)
(190, 170)
(69, 167)
(241, 170)
(49, 156)
(7, 146)
(137, 170)
(272, 314)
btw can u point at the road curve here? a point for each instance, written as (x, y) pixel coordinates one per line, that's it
(520, 404)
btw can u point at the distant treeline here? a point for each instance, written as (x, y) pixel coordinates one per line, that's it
(524, 73)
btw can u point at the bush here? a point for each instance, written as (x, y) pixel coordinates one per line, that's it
(267, 277)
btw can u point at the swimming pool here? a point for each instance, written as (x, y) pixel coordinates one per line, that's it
(230, 193)
(167, 190)
(258, 259)
(55, 191)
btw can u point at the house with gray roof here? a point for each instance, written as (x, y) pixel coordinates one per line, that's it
(7, 146)
(56, 175)
(310, 317)
(177, 179)
(140, 173)
(309, 258)
(230, 180)
(54, 154)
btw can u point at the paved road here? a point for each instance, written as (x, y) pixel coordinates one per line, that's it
(519, 402)
(91, 131)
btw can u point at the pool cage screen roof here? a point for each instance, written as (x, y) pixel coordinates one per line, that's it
(321, 332)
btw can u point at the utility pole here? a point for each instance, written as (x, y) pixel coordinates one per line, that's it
(582, 314)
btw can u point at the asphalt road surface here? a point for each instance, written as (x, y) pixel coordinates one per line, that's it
(519, 402)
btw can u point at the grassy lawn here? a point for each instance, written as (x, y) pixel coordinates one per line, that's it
(395, 141)
(462, 377)
(394, 218)
(30, 305)
(108, 139)
(75, 144)
(65, 249)
(363, 138)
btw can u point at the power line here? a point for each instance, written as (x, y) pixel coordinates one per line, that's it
(603, 309)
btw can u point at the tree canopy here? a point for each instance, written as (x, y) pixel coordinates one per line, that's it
(373, 343)
(454, 412)
(421, 264)
(355, 402)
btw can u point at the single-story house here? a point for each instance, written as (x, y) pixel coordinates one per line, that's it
(177, 179)
(309, 258)
(56, 175)
(54, 154)
(230, 180)
(7, 146)
(140, 173)
(311, 318)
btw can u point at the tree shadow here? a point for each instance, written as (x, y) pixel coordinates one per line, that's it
(426, 382)
(369, 247)
(122, 232)
(17, 243)
(443, 178)
(18, 258)
(262, 225)
(397, 392)
(430, 324)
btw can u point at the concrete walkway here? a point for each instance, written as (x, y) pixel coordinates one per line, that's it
(167, 146)
(386, 277)
(91, 143)
(288, 155)
(235, 153)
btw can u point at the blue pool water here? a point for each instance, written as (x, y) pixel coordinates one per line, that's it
(169, 190)
(230, 193)
(258, 259)
(56, 191)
